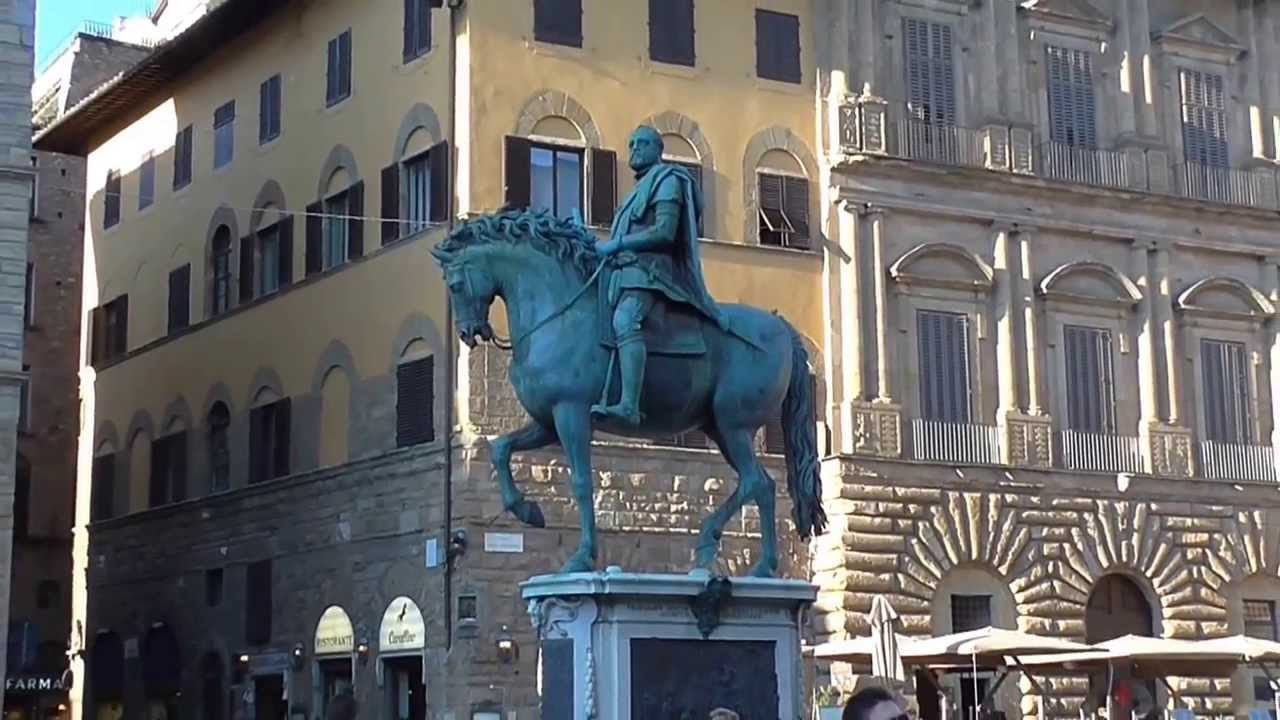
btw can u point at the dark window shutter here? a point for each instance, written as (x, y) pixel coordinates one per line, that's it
(411, 9)
(120, 343)
(438, 161)
(315, 238)
(103, 492)
(282, 416)
(284, 242)
(257, 445)
(180, 298)
(390, 203)
(415, 402)
(671, 31)
(344, 43)
(795, 202)
(331, 72)
(774, 437)
(1226, 390)
(944, 366)
(604, 186)
(178, 466)
(355, 223)
(516, 171)
(778, 46)
(264, 110)
(558, 21)
(97, 335)
(159, 494)
(247, 260)
(258, 603)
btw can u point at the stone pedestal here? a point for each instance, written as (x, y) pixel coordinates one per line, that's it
(624, 646)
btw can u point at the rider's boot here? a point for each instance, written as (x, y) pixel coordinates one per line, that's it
(631, 360)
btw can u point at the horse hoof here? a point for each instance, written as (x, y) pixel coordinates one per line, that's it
(765, 570)
(529, 513)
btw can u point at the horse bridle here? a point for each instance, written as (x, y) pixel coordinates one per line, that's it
(510, 344)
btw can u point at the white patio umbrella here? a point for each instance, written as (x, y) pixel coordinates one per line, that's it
(886, 659)
(855, 651)
(987, 646)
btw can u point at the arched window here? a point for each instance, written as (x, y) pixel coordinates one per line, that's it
(784, 201)
(335, 416)
(415, 396)
(335, 224)
(416, 189)
(219, 451)
(679, 151)
(211, 682)
(266, 256)
(221, 262)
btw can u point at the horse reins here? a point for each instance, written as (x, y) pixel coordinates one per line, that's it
(509, 345)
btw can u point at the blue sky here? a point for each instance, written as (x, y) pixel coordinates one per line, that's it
(55, 19)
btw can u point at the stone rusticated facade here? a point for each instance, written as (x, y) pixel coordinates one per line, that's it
(900, 530)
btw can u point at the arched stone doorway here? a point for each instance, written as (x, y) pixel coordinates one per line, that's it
(1118, 607)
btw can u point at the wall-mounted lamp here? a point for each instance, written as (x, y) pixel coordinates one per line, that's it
(508, 648)
(297, 656)
(241, 668)
(362, 651)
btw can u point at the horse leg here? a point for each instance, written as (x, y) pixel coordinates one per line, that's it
(735, 446)
(529, 437)
(573, 425)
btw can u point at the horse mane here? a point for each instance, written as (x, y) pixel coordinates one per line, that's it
(565, 240)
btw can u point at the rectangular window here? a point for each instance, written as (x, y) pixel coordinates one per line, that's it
(931, 95)
(1072, 108)
(558, 21)
(778, 46)
(116, 319)
(183, 146)
(415, 402)
(1204, 118)
(224, 134)
(103, 492)
(671, 31)
(417, 28)
(270, 106)
(970, 612)
(180, 298)
(257, 603)
(417, 176)
(784, 211)
(213, 587)
(147, 182)
(338, 75)
(1260, 619)
(1091, 400)
(944, 366)
(269, 429)
(555, 180)
(29, 302)
(336, 225)
(1227, 416)
(269, 260)
(111, 198)
(169, 469)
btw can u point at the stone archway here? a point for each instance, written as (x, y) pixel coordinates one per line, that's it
(1118, 607)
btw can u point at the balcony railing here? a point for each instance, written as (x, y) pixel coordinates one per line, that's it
(943, 144)
(1100, 453)
(1229, 461)
(1232, 186)
(1087, 166)
(955, 442)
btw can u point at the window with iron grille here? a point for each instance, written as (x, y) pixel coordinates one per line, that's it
(970, 612)
(415, 402)
(1227, 416)
(558, 21)
(945, 391)
(224, 134)
(417, 28)
(338, 73)
(169, 469)
(103, 490)
(784, 210)
(1072, 107)
(1204, 118)
(111, 197)
(270, 107)
(257, 604)
(778, 46)
(671, 31)
(1260, 619)
(1091, 400)
(931, 95)
(183, 151)
(147, 182)
(221, 271)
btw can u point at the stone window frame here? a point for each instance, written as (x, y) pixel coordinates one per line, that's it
(270, 199)
(779, 138)
(223, 216)
(971, 298)
(339, 159)
(137, 490)
(1168, 101)
(1194, 323)
(943, 12)
(420, 328)
(674, 123)
(546, 104)
(1115, 314)
(1065, 36)
(421, 117)
(976, 579)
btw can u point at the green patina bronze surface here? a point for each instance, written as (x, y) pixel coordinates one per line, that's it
(583, 318)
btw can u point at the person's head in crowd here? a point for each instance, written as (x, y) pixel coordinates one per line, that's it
(873, 703)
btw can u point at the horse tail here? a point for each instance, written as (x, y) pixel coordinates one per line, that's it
(800, 435)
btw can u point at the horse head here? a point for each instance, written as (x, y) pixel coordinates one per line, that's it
(472, 289)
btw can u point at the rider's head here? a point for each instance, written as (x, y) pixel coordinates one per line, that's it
(646, 148)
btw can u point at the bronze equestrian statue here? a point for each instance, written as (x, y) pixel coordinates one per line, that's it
(633, 316)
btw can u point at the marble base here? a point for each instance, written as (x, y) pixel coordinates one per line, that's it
(624, 646)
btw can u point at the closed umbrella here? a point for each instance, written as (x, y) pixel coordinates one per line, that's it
(886, 661)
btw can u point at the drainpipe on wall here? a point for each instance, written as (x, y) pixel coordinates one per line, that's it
(455, 8)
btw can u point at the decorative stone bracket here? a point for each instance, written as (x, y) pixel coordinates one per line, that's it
(876, 428)
(1026, 440)
(1167, 450)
